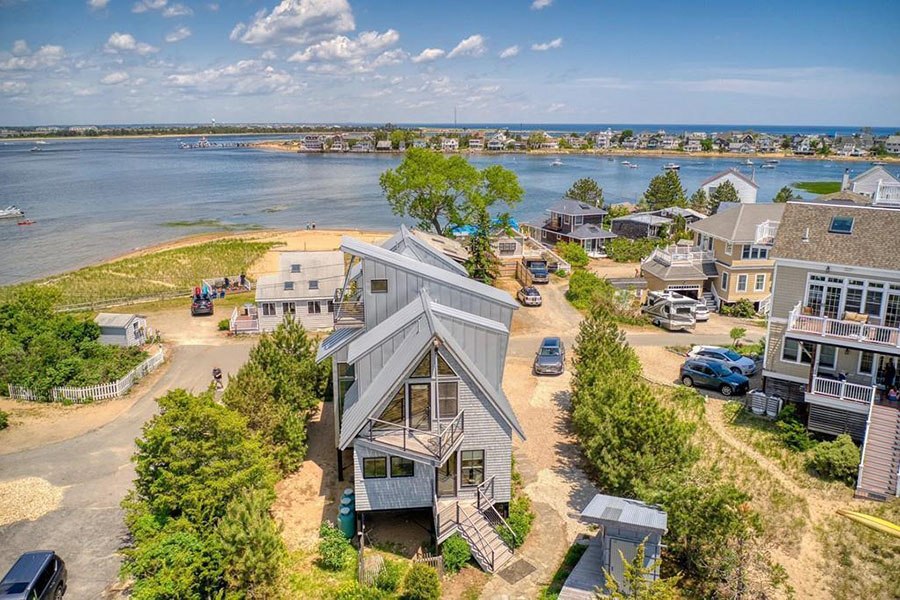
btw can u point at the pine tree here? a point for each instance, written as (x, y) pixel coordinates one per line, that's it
(665, 191)
(482, 265)
(586, 190)
(639, 582)
(785, 194)
(724, 193)
(699, 201)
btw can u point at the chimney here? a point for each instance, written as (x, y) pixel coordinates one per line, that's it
(845, 180)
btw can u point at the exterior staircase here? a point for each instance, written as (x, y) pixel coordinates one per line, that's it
(710, 301)
(880, 465)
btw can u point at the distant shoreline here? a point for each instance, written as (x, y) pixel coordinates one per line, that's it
(289, 146)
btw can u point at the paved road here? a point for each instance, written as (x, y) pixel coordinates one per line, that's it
(96, 472)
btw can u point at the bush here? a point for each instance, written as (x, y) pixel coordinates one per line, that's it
(742, 309)
(521, 517)
(625, 250)
(355, 591)
(791, 430)
(224, 325)
(561, 273)
(334, 548)
(837, 460)
(4, 420)
(388, 579)
(573, 253)
(456, 553)
(421, 583)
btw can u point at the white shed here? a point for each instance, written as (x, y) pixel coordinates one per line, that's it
(745, 186)
(122, 330)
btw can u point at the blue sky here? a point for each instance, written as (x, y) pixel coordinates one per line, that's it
(547, 61)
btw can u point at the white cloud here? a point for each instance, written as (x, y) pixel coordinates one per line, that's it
(178, 34)
(13, 88)
(245, 77)
(547, 45)
(177, 10)
(125, 42)
(539, 4)
(82, 92)
(213, 6)
(97, 4)
(296, 22)
(510, 52)
(343, 48)
(428, 55)
(23, 59)
(391, 57)
(556, 107)
(143, 6)
(471, 46)
(115, 78)
(268, 55)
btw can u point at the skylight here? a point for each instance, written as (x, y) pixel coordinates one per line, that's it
(841, 225)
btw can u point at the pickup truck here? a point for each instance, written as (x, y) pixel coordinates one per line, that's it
(538, 270)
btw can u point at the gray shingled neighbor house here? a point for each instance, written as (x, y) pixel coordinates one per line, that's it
(421, 420)
(573, 221)
(122, 329)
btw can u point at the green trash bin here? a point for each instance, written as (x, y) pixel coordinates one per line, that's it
(347, 522)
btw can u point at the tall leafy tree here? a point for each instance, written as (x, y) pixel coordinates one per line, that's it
(785, 194)
(586, 190)
(726, 192)
(699, 201)
(664, 191)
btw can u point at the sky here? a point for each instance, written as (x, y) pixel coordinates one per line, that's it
(766, 62)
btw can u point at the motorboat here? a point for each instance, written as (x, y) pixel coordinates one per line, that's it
(626, 163)
(768, 165)
(11, 212)
(772, 161)
(556, 163)
(878, 163)
(632, 166)
(671, 167)
(748, 162)
(36, 149)
(26, 222)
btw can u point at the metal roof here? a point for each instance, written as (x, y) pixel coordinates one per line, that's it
(678, 272)
(646, 218)
(408, 242)
(606, 510)
(115, 319)
(336, 341)
(436, 274)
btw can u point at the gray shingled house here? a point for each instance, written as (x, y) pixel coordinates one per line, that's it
(421, 418)
(573, 221)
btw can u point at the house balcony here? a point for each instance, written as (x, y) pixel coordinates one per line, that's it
(854, 334)
(244, 320)
(844, 395)
(887, 194)
(348, 313)
(681, 255)
(765, 232)
(416, 444)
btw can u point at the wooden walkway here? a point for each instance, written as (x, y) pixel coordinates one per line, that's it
(587, 575)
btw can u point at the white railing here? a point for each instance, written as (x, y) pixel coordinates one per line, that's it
(248, 324)
(103, 391)
(765, 232)
(675, 255)
(827, 327)
(887, 194)
(843, 390)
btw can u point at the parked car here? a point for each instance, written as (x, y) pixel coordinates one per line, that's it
(736, 362)
(201, 305)
(529, 296)
(550, 358)
(538, 270)
(714, 374)
(37, 575)
(701, 313)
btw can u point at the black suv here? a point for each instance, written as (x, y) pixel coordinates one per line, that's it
(201, 305)
(37, 575)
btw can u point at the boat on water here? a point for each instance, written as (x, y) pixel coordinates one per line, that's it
(36, 149)
(748, 162)
(26, 222)
(41, 142)
(632, 166)
(768, 165)
(878, 163)
(671, 167)
(611, 159)
(772, 161)
(556, 163)
(626, 163)
(11, 212)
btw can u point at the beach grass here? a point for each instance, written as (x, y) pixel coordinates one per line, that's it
(214, 224)
(818, 187)
(165, 273)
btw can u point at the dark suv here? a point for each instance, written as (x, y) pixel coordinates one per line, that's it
(39, 575)
(201, 305)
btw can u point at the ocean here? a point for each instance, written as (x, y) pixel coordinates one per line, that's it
(96, 198)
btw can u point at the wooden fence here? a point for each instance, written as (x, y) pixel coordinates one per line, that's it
(103, 391)
(435, 562)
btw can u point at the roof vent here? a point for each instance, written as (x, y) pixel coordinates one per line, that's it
(806, 235)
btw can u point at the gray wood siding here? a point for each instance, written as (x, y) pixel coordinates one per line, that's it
(123, 336)
(403, 287)
(368, 366)
(789, 288)
(773, 360)
(486, 348)
(391, 493)
(310, 322)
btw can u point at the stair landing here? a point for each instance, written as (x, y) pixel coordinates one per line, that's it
(878, 478)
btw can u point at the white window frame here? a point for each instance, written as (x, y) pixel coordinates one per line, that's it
(729, 248)
(579, 219)
(724, 281)
(268, 309)
(313, 307)
(832, 367)
(289, 286)
(742, 287)
(796, 361)
(289, 308)
(756, 282)
(566, 220)
(859, 360)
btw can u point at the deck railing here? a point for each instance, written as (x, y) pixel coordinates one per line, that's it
(843, 390)
(676, 255)
(438, 445)
(828, 327)
(765, 232)
(248, 324)
(887, 194)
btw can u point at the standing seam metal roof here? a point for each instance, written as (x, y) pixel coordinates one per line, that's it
(604, 510)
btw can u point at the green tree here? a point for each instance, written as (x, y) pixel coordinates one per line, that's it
(785, 194)
(586, 190)
(836, 460)
(726, 192)
(640, 582)
(600, 350)
(535, 139)
(736, 334)
(439, 191)
(706, 144)
(252, 540)
(573, 253)
(421, 583)
(627, 133)
(785, 142)
(664, 191)
(699, 201)
(481, 264)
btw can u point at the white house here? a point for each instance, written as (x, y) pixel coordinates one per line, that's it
(476, 143)
(745, 186)
(303, 289)
(450, 144)
(122, 330)
(892, 144)
(867, 183)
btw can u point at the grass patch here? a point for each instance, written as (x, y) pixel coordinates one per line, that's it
(214, 224)
(818, 187)
(573, 555)
(164, 273)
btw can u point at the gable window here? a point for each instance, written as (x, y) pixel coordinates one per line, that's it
(797, 352)
(288, 286)
(402, 467)
(375, 468)
(742, 283)
(729, 248)
(313, 284)
(760, 283)
(472, 467)
(395, 412)
(378, 286)
(841, 225)
(443, 368)
(288, 308)
(313, 308)
(423, 369)
(448, 399)
(724, 284)
(268, 309)
(295, 268)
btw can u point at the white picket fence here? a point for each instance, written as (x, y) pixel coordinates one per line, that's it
(103, 391)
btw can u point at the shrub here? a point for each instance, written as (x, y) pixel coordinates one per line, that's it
(224, 325)
(837, 460)
(573, 253)
(4, 420)
(736, 334)
(521, 517)
(742, 309)
(791, 430)
(388, 579)
(561, 273)
(355, 591)
(456, 553)
(625, 250)
(334, 548)
(421, 583)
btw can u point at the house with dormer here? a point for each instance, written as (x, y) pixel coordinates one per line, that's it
(421, 419)
(573, 221)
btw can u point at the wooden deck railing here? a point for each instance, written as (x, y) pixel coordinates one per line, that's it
(828, 327)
